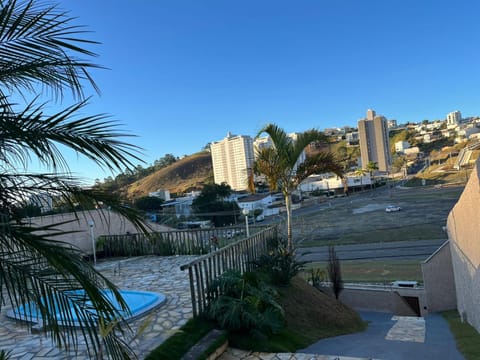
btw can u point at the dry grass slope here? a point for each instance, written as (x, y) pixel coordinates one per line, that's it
(187, 174)
(316, 315)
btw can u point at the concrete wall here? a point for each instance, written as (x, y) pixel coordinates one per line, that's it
(105, 223)
(438, 280)
(463, 227)
(383, 299)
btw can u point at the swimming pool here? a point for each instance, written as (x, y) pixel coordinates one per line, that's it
(139, 303)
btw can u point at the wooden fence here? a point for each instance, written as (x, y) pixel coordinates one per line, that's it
(238, 256)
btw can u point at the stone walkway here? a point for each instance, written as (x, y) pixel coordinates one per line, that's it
(149, 273)
(234, 354)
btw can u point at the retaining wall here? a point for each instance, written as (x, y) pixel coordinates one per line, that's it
(463, 227)
(105, 222)
(383, 298)
(439, 281)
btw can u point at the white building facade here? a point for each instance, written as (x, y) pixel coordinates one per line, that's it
(454, 118)
(232, 160)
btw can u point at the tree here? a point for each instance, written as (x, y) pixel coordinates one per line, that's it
(361, 173)
(334, 271)
(211, 204)
(148, 203)
(42, 50)
(168, 159)
(279, 164)
(371, 168)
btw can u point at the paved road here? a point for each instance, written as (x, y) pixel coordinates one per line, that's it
(376, 343)
(399, 250)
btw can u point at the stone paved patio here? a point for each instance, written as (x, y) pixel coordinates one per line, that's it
(149, 273)
(234, 354)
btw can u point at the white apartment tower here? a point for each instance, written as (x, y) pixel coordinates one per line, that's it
(454, 118)
(374, 142)
(232, 160)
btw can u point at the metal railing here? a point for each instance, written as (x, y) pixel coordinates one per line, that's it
(236, 256)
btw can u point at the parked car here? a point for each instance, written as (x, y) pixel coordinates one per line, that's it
(392, 208)
(260, 217)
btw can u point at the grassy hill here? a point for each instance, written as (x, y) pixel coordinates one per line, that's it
(310, 315)
(187, 174)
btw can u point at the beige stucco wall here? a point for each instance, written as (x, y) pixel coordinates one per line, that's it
(438, 280)
(463, 226)
(105, 223)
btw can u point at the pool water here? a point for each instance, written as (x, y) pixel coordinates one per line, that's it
(139, 303)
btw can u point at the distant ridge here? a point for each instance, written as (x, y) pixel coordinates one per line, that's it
(187, 174)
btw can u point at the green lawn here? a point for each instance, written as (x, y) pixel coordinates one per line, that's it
(381, 272)
(467, 338)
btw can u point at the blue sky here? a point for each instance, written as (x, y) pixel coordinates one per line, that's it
(184, 73)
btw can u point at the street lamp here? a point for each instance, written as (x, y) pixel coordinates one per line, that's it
(91, 224)
(246, 212)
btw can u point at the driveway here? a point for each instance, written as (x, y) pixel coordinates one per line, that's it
(393, 338)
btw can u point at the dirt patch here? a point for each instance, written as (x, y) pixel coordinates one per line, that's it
(361, 217)
(368, 208)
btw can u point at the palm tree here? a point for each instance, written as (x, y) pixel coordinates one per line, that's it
(41, 50)
(361, 173)
(371, 168)
(279, 164)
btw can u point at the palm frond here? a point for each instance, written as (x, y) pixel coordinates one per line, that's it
(36, 269)
(267, 163)
(280, 140)
(38, 45)
(18, 189)
(31, 132)
(318, 163)
(41, 50)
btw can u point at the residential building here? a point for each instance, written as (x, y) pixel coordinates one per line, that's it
(162, 194)
(401, 146)
(262, 202)
(454, 118)
(467, 131)
(332, 183)
(232, 160)
(351, 138)
(392, 124)
(374, 142)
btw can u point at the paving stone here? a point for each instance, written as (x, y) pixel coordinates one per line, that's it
(407, 328)
(150, 273)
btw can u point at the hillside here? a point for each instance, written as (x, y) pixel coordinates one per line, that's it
(187, 174)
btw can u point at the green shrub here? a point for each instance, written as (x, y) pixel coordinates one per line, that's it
(245, 304)
(316, 276)
(279, 265)
(180, 343)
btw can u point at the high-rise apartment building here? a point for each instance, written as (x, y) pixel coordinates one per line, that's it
(374, 142)
(232, 160)
(454, 118)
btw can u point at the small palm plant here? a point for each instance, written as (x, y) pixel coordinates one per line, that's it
(245, 303)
